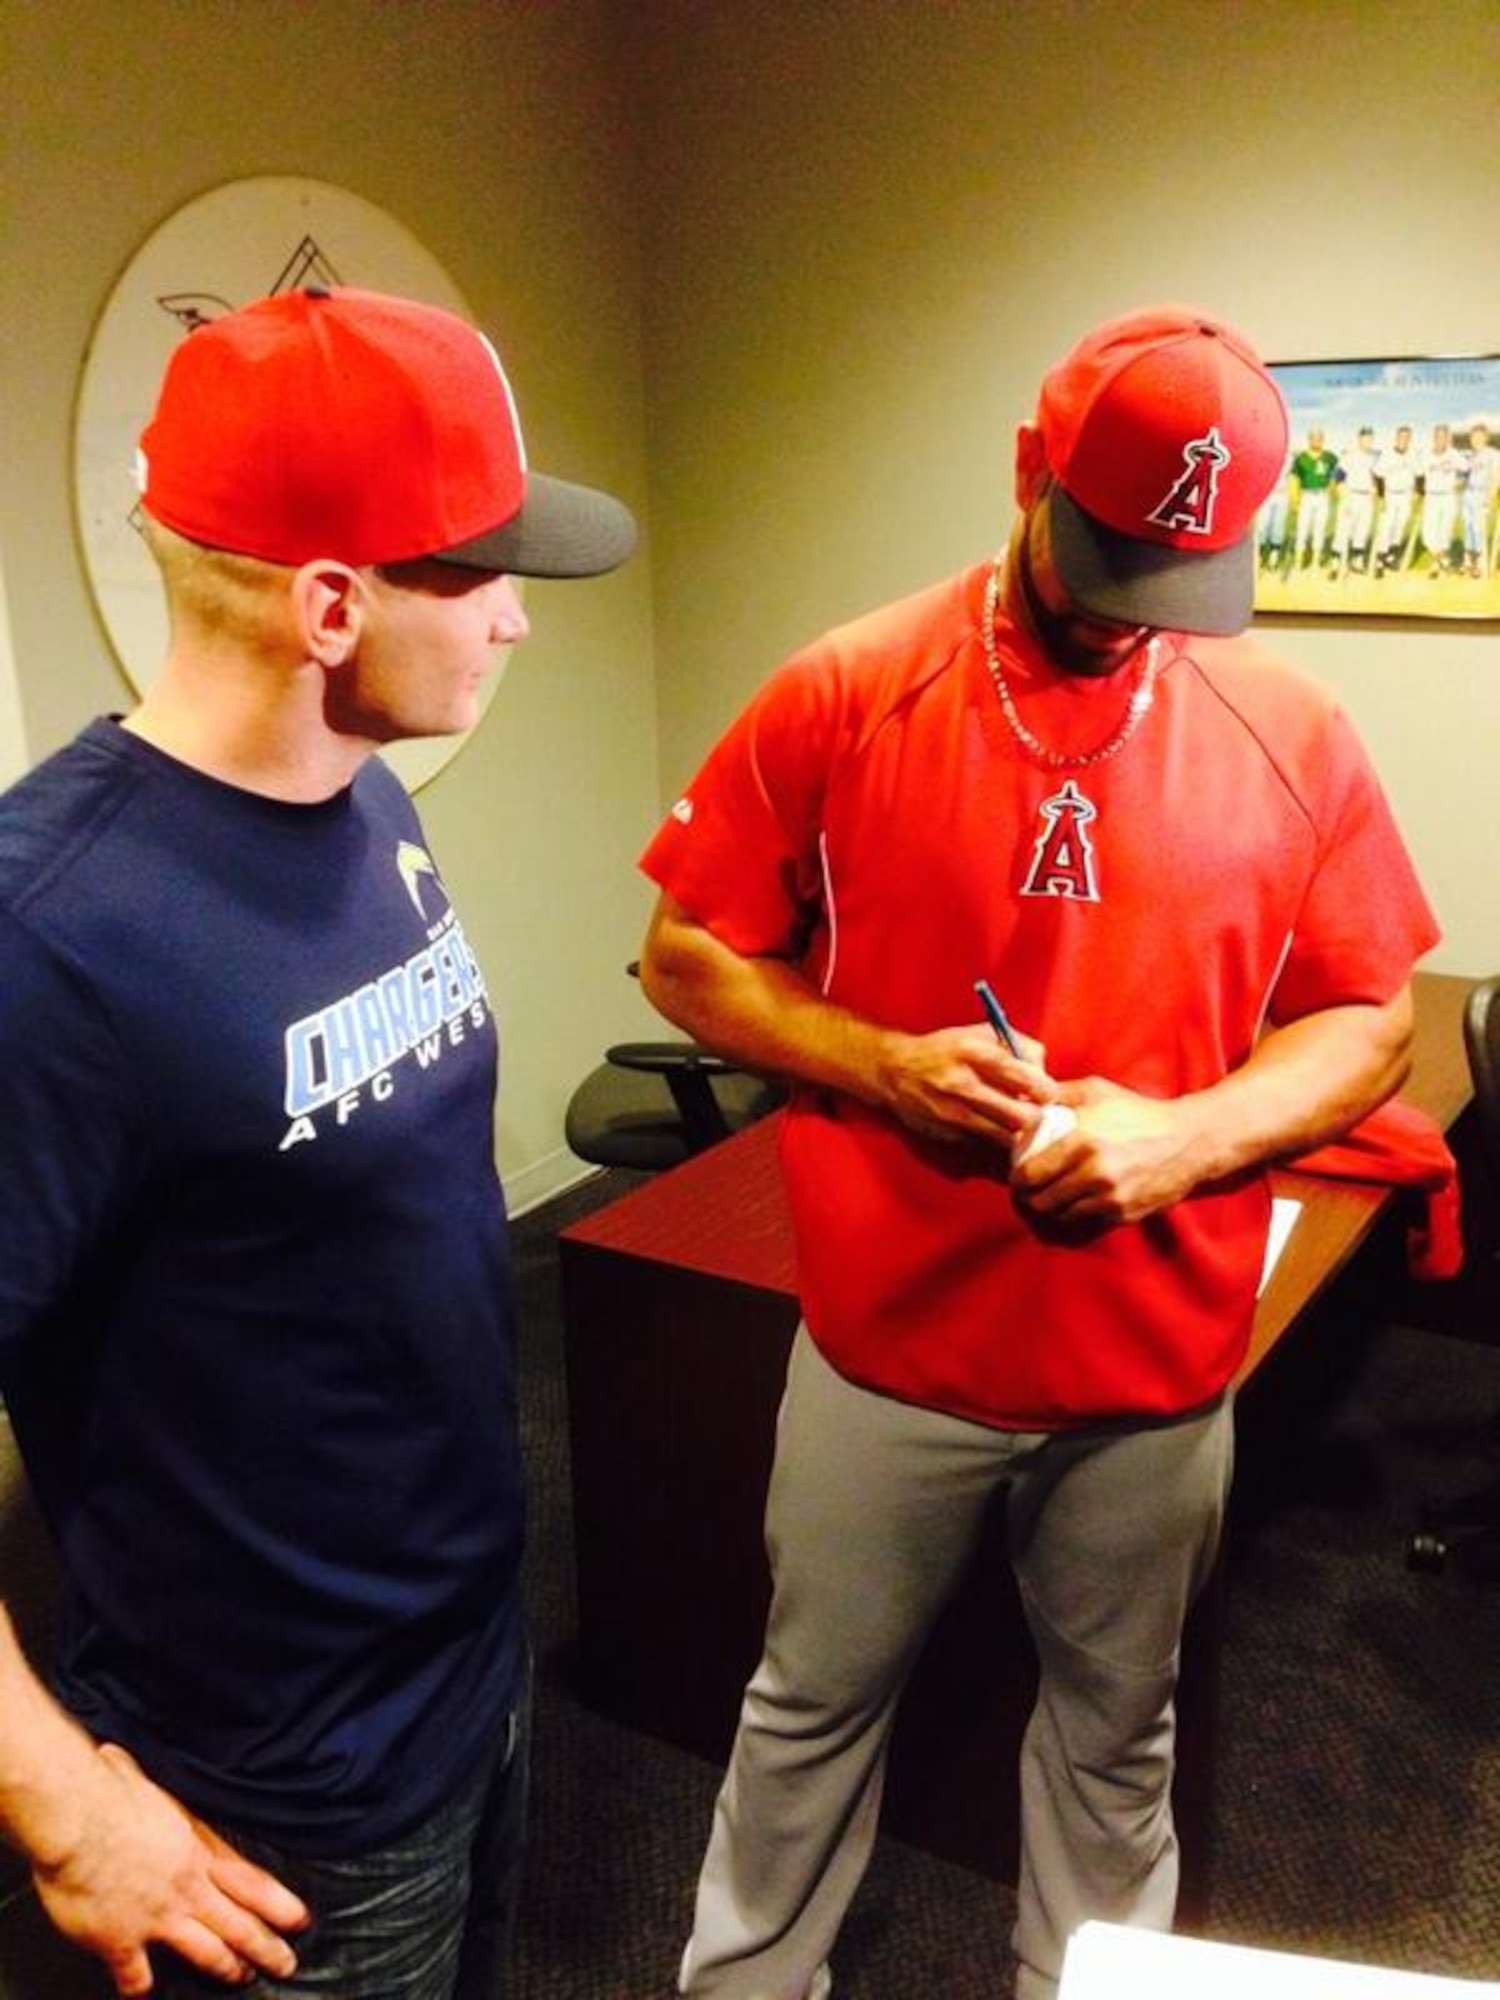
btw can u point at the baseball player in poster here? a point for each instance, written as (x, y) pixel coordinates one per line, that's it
(1315, 469)
(1355, 523)
(1481, 475)
(1441, 465)
(1272, 522)
(1396, 472)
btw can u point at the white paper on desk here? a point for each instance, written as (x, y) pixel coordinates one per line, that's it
(1284, 1213)
(1108, 1961)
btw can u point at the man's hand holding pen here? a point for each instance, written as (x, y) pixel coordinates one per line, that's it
(958, 1084)
(1095, 1152)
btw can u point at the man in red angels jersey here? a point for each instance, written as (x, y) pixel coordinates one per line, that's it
(1166, 853)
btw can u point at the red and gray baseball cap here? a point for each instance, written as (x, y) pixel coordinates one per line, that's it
(1164, 433)
(345, 423)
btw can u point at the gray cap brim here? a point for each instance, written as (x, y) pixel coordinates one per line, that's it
(1145, 583)
(561, 530)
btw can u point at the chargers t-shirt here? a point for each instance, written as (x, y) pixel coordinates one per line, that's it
(256, 1325)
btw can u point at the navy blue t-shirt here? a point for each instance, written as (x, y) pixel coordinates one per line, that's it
(256, 1330)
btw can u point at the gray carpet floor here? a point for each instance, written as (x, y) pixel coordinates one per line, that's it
(1359, 1803)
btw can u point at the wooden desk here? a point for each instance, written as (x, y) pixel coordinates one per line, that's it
(680, 1305)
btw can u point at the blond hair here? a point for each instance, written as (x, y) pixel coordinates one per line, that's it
(218, 593)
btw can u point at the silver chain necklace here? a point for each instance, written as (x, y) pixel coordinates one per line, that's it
(1136, 708)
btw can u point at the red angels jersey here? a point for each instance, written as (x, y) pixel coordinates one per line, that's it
(872, 817)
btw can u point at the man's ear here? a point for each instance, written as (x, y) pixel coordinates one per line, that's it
(1031, 465)
(328, 604)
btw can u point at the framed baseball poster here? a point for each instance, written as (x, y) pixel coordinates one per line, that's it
(1389, 502)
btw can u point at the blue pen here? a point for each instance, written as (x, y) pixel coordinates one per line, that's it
(995, 1014)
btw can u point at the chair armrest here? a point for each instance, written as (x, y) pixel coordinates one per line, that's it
(663, 1057)
(687, 1071)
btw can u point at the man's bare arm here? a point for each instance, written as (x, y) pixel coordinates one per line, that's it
(1304, 1084)
(118, 1864)
(955, 1083)
(1129, 1155)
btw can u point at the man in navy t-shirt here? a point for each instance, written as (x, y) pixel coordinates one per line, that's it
(255, 1308)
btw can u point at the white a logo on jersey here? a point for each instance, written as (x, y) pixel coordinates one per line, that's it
(1190, 500)
(1062, 862)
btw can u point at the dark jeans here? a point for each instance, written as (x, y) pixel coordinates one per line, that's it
(428, 1918)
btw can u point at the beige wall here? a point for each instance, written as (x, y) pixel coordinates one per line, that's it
(13, 753)
(499, 133)
(870, 224)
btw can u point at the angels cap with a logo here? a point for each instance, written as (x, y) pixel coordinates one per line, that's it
(348, 424)
(1164, 432)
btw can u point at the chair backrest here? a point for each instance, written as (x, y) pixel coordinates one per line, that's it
(651, 1105)
(1482, 1041)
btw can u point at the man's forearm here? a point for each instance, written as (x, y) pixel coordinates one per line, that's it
(949, 1084)
(1131, 1156)
(763, 1012)
(118, 1864)
(1306, 1083)
(46, 1759)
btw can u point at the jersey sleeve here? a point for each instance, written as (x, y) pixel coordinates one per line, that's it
(739, 849)
(1364, 920)
(71, 1139)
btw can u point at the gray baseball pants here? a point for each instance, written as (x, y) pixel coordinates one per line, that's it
(874, 1506)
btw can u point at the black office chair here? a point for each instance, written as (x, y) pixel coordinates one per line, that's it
(651, 1105)
(1468, 1528)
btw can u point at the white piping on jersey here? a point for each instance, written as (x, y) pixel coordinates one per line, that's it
(831, 908)
(1265, 1004)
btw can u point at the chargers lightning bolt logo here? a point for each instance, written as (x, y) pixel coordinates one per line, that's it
(412, 863)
